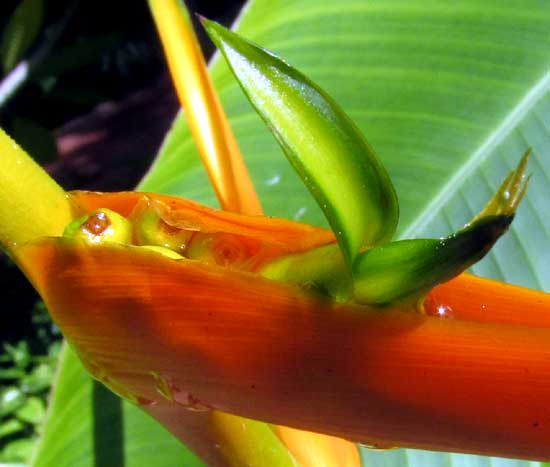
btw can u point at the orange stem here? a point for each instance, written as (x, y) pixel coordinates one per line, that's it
(207, 120)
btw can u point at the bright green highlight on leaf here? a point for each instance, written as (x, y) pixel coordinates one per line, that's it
(325, 147)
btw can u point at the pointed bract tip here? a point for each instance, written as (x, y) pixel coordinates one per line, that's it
(510, 193)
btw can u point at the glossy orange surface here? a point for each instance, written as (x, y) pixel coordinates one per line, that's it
(265, 350)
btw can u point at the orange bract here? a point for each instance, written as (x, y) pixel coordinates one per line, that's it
(265, 350)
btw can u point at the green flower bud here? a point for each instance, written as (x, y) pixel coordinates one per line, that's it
(408, 269)
(151, 229)
(101, 225)
(222, 249)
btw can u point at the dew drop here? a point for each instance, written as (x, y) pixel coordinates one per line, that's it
(188, 401)
(162, 386)
(97, 224)
(444, 311)
(299, 213)
(143, 402)
(273, 180)
(438, 309)
(172, 393)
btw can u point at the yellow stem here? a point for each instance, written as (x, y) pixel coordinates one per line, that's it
(207, 120)
(32, 204)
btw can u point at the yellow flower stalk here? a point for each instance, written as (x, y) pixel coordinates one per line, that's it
(23, 183)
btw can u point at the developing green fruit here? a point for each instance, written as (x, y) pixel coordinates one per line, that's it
(151, 229)
(101, 225)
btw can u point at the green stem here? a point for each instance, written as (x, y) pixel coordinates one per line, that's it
(32, 204)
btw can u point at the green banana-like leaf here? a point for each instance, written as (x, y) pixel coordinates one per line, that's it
(450, 94)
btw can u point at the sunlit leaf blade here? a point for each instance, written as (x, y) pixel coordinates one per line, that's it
(327, 150)
(449, 94)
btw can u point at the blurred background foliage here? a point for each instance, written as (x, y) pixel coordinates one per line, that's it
(84, 89)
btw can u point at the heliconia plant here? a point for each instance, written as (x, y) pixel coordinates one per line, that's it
(202, 317)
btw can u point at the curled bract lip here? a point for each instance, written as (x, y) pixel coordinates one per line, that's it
(178, 333)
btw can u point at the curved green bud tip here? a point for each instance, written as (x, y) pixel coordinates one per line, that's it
(324, 146)
(510, 193)
(101, 225)
(408, 269)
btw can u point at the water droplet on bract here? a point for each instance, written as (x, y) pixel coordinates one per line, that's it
(444, 311)
(506, 194)
(143, 402)
(162, 386)
(172, 393)
(188, 401)
(439, 310)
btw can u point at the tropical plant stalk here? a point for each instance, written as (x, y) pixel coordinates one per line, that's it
(235, 191)
(396, 379)
(467, 376)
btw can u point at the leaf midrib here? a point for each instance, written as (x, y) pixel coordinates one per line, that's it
(480, 155)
